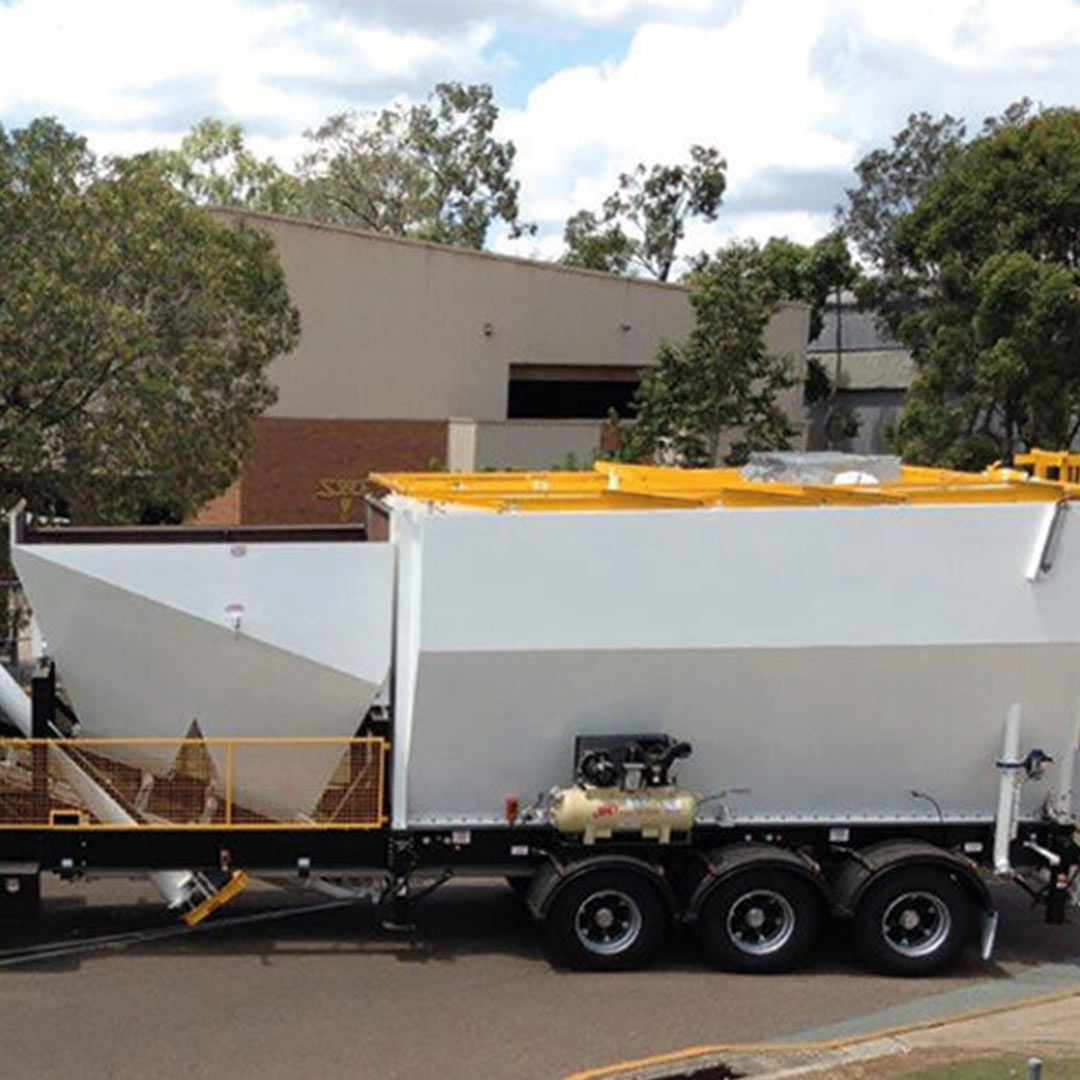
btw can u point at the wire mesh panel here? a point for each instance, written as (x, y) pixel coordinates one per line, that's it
(28, 790)
(351, 796)
(209, 783)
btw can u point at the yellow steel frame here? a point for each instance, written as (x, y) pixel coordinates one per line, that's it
(1053, 476)
(59, 820)
(1058, 466)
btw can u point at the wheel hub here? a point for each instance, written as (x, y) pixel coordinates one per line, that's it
(761, 922)
(916, 924)
(909, 919)
(608, 922)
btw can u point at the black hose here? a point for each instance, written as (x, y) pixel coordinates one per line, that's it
(37, 953)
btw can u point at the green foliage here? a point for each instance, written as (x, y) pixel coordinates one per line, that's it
(135, 332)
(811, 273)
(595, 244)
(892, 181)
(433, 171)
(641, 224)
(719, 387)
(891, 184)
(214, 167)
(980, 277)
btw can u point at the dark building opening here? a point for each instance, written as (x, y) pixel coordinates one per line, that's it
(570, 391)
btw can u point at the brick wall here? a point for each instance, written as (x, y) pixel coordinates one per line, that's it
(313, 471)
(224, 510)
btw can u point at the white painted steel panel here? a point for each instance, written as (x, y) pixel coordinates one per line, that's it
(761, 578)
(829, 660)
(824, 734)
(327, 602)
(145, 646)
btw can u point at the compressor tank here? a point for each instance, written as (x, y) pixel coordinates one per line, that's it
(599, 813)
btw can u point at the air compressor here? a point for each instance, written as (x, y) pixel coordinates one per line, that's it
(624, 784)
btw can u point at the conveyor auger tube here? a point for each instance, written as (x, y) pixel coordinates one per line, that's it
(180, 889)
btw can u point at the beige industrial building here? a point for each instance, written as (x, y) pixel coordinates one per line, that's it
(420, 356)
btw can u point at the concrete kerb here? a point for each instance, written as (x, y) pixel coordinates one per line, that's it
(775, 1060)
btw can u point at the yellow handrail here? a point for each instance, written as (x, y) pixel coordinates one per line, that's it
(1039, 476)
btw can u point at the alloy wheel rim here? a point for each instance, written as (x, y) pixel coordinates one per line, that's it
(916, 924)
(761, 922)
(608, 922)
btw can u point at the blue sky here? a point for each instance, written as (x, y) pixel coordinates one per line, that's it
(793, 92)
(535, 57)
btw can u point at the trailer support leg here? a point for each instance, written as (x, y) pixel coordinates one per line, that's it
(399, 897)
(398, 917)
(400, 862)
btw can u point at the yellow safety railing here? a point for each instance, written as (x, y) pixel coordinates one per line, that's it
(1039, 476)
(1056, 466)
(211, 783)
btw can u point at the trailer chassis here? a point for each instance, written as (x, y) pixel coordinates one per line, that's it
(740, 875)
(685, 873)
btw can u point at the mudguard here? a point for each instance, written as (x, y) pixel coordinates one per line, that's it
(554, 875)
(865, 867)
(723, 863)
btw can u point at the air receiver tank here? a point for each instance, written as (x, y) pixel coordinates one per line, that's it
(624, 785)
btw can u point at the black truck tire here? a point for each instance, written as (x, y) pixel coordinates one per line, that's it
(607, 920)
(760, 920)
(915, 920)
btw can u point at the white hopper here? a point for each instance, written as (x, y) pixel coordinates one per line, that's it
(245, 639)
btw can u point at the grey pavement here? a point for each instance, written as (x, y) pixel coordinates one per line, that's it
(993, 992)
(472, 994)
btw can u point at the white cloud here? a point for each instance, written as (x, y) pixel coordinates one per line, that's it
(614, 10)
(743, 86)
(128, 69)
(791, 91)
(432, 14)
(981, 35)
(784, 90)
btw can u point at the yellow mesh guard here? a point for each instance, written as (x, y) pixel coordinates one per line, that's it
(195, 792)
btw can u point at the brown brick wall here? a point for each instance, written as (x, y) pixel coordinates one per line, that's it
(224, 510)
(313, 471)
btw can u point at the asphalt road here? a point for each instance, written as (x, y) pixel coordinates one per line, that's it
(471, 994)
